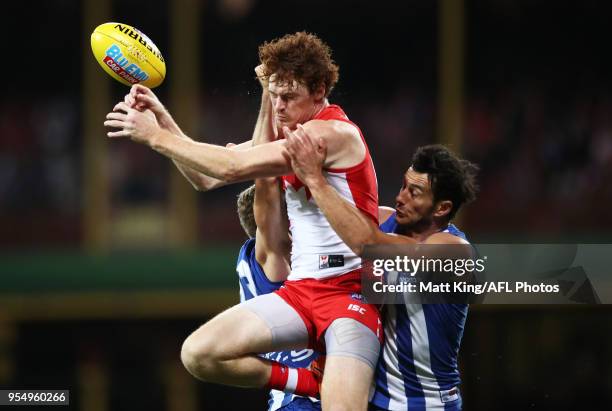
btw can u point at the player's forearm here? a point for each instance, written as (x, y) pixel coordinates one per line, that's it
(214, 161)
(208, 166)
(222, 163)
(200, 181)
(167, 122)
(264, 131)
(270, 213)
(268, 207)
(267, 191)
(273, 245)
(353, 227)
(194, 177)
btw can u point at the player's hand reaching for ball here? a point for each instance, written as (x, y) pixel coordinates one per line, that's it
(140, 126)
(259, 72)
(307, 156)
(142, 98)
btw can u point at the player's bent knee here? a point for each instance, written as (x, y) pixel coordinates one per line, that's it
(200, 353)
(220, 340)
(196, 358)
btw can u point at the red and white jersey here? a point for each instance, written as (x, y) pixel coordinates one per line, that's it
(317, 251)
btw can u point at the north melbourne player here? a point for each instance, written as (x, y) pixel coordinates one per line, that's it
(263, 219)
(418, 365)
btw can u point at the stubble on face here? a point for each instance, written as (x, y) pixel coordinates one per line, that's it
(414, 207)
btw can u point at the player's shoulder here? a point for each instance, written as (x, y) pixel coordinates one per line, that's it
(384, 213)
(332, 128)
(345, 147)
(445, 238)
(249, 267)
(247, 257)
(247, 249)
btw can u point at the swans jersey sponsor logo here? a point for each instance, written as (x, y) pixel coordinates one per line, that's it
(330, 261)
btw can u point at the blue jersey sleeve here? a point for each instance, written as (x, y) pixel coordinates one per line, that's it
(253, 280)
(390, 225)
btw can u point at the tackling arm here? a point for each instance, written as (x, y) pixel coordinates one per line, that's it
(354, 227)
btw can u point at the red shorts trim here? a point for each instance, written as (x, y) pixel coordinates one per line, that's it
(320, 302)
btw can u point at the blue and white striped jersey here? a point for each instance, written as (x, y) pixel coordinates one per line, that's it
(253, 282)
(417, 369)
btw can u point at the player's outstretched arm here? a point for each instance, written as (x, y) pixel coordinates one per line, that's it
(273, 246)
(142, 98)
(230, 166)
(354, 227)
(202, 182)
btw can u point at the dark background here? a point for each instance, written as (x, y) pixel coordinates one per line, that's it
(536, 118)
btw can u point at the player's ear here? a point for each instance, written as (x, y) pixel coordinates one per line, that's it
(319, 93)
(443, 208)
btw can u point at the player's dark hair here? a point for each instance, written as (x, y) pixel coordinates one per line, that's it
(245, 211)
(452, 178)
(301, 56)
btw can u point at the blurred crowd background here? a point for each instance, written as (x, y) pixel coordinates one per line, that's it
(537, 118)
(536, 109)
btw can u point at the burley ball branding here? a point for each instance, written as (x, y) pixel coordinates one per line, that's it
(128, 55)
(117, 62)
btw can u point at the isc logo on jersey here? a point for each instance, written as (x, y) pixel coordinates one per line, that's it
(357, 308)
(128, 55)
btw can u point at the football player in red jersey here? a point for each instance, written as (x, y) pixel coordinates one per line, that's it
(320, 305)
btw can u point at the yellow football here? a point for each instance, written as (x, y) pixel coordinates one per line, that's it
(128, 55)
